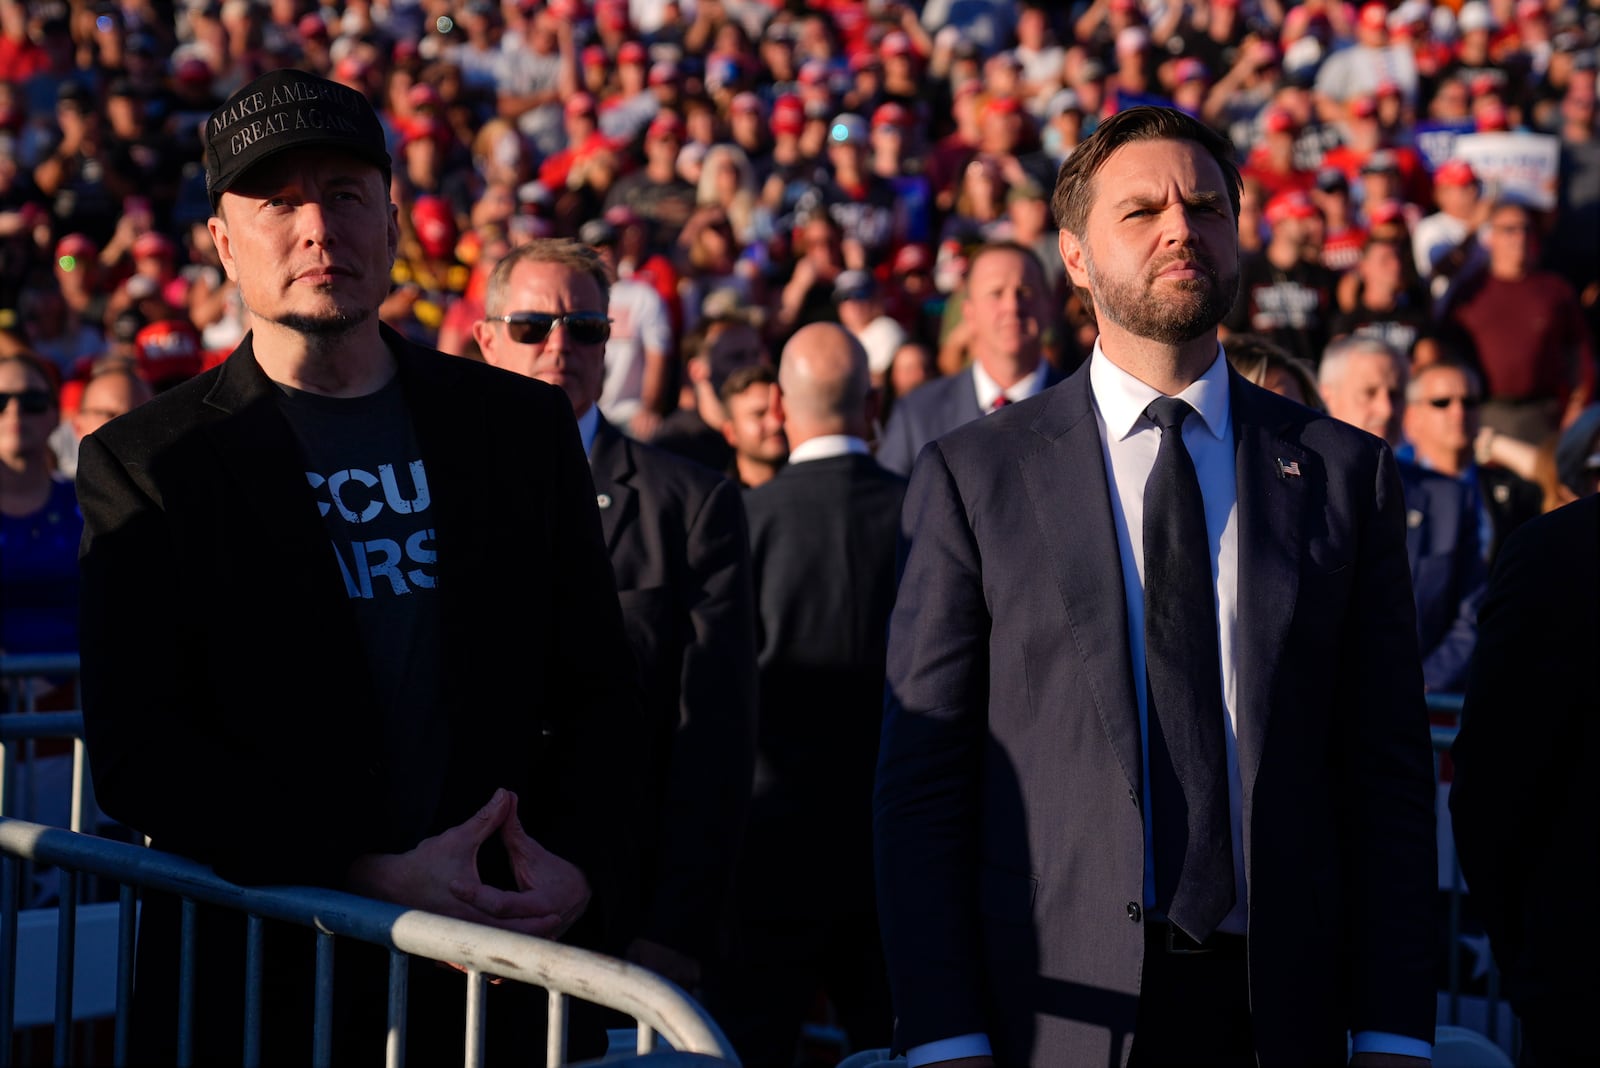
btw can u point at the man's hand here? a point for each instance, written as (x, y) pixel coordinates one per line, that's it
(441, 875)
(551, 892)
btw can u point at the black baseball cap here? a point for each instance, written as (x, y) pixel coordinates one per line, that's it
(286, 109)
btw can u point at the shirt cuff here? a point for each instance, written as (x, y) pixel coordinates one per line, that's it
(1384, 1042)
(949, 1049)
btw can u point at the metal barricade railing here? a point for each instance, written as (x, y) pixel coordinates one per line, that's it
(657, 1006)
(23, 674)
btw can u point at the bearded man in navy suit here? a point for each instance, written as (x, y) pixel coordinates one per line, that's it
(1116, 825)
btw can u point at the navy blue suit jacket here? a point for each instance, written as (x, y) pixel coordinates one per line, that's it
(932, 411)
(1448, 573)
(1010, 844)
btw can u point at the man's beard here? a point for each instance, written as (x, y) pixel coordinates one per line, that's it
(1197, 306)
(328, 326)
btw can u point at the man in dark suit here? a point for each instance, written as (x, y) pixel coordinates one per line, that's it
(1155, 778)
(678, 543)
(822, 535)
(348, 618)
(1442, 428)
(1362, 380)
(1523, 804)
(1006, 313)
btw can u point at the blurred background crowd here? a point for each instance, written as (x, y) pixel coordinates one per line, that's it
(785, 162)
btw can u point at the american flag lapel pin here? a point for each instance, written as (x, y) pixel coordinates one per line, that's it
(1288, 468)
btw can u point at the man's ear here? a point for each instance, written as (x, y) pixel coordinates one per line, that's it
(1075, 257)
(218, 229)
(483, 334)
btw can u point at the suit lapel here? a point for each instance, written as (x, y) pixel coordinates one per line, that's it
(612, 468)
(1069, 474)
(1271, 521)
(253, 442)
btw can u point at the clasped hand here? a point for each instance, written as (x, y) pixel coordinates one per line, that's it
(441, 875)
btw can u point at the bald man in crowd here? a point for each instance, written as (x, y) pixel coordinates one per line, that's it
(822, 537)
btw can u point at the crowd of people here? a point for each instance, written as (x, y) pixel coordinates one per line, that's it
(788, 244)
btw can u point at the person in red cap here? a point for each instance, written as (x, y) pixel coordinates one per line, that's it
(1447, 240)
(657, 193)
(149, 288)
(1273, 161)
(167, 352)
(81, 278)
(749, 129)
(1372, 58)
(535, 78)
(1285, 293)
(902, 70)
(790, 167)
(625, 113)
(897, 159)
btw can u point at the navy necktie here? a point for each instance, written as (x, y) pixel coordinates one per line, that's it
(1188, 761)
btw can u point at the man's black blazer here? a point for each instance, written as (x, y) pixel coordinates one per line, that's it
(228, 708)
(1009, 838)
(1525, 812)
(677, 538)
(822, 537)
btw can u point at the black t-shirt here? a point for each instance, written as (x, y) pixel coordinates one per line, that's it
(1401, 326)
(1292, 307)
(365, 469)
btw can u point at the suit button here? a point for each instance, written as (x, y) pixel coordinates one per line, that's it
(1133, 797)
(1135, 913)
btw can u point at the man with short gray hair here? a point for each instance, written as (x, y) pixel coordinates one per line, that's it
(1363, 380)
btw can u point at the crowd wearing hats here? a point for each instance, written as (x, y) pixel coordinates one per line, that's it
(751, 153)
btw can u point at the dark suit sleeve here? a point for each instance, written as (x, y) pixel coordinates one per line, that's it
(927, 793)
(898, 449)
(591, 806)
(1388, 782)
(1520, 728)
(713, 747)
(161, 761)
(1444, 667)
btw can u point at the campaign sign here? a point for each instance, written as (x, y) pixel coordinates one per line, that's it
(1519, 164)
(1437, 140)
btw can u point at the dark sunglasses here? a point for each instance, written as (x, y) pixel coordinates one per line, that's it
(533, 328)
(32, 401)
(1468, 403)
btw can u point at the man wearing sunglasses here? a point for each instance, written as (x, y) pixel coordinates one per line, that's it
(1362, 381)
(348, 619)
(677, 536)
(1442, 425)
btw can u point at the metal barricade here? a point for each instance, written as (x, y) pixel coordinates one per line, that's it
(657, 1006)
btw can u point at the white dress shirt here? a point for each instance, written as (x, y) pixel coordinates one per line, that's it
(1022, 389)
(827, 447)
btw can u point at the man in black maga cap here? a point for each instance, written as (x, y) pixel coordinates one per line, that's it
(327, 638)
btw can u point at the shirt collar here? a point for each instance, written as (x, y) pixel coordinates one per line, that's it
(989, 389)
(828, 446)
(1122, 398)
(588, 426)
